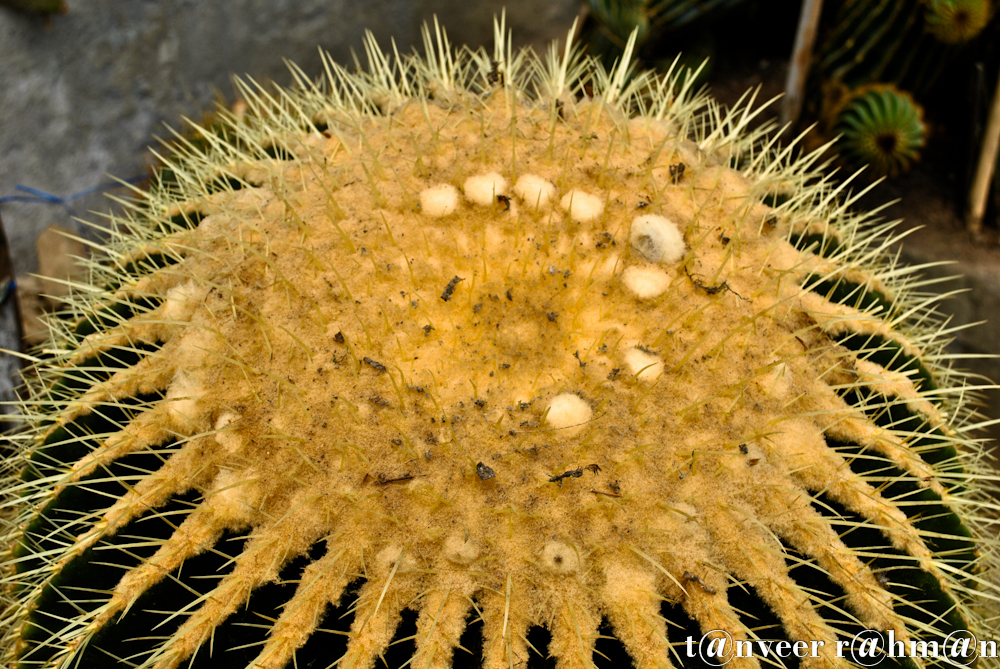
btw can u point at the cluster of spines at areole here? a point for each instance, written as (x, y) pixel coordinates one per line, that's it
(859, 269)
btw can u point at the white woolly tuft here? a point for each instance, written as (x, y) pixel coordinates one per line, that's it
(483, 189)
(439, 201)
(226, 438)
(535, 191)
(642, 365)
(183, 402)
(181, 301)
(460, 550)
(568, 413)
(582, 206)
(657, 238)
(235, 495)
(559, 558)
(645, 282)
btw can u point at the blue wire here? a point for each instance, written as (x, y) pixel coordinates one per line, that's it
(36, 196)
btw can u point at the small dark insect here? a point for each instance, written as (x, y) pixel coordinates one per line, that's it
(593, 468)
(725, 240)
(752, 461)
(476, 308)
(494, 76)
(480, 403)
(615, 488)
(712, 290)
(771, 221)
(377, 366)
(339, 337)
(509, 296)
(505, 201)
(743, 449)
(688, 576)
(484, 472)
(450, 288)
(613, 374)
(427, 329)
(604, 239)
(552, 316)
(677, 172)
(642, 205)
(396, 442)
(572, 473)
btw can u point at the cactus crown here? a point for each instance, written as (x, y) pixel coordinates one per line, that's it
(487, 355)
(957, 21)
(883, 127)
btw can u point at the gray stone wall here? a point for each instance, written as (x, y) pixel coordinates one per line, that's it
(83, 94)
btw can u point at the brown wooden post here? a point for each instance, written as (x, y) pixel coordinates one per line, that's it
(798, 67)
(984, 169)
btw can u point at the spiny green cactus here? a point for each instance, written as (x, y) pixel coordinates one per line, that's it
(450, 363)
(902, 44)
(621, 17)
(883, 127)
(657, 24)
(908, 43)
(956, 21)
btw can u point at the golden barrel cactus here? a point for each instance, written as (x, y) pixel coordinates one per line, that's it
(489, 359)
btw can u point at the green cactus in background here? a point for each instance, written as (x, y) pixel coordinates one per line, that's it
(882, 127)
(656, 23)
(957, 21)
(621, 17)
(478, 358)
(905, 44)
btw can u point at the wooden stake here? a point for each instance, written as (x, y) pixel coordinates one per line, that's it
(798, 67)
(984, 170)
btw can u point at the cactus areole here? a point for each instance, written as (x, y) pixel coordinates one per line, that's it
(491, 359)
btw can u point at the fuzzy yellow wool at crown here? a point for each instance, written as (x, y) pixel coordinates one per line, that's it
(452, 356)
